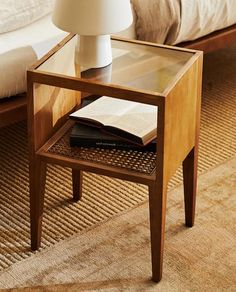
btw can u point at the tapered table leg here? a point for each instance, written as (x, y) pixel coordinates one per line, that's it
(157, 207)
(190, 185)
(77, 179)
(37, 189)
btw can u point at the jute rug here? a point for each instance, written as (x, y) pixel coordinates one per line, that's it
(115, 256)
(104, 198)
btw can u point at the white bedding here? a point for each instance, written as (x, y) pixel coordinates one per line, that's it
(175, 21)
(201, 17)
(18, 13)
(21, 48)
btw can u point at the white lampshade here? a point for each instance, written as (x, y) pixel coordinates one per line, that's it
(94, 21)
(92, 17)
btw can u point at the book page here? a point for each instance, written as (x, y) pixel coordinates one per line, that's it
(104, 110)
(140, 120)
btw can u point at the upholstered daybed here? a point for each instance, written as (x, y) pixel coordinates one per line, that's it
(200, 24)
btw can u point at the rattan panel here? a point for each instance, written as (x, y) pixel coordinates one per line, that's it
(143, 162)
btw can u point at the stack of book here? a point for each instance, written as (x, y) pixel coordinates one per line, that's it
(114, 123)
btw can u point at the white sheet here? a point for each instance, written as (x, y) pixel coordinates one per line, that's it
(19, 49)
(35, 35)
(201, 17)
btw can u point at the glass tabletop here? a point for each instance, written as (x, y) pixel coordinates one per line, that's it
(134, 65)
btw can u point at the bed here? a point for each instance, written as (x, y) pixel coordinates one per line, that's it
(204, 24)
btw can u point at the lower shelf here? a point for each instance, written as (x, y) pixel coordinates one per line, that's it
(142, 162)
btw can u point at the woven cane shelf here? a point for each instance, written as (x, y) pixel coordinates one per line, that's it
(142, 162)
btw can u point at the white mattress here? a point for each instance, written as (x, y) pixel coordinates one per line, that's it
(20, 48)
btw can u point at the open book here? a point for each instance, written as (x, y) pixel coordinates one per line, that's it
(132, 121)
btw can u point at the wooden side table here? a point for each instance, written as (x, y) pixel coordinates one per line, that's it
(164, 76)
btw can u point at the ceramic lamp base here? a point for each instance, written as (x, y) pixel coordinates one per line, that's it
(93, 51)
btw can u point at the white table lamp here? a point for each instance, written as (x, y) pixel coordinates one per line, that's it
(93, 21)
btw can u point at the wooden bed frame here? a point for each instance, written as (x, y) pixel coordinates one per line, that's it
(14, 109)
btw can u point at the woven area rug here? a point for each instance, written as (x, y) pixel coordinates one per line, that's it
(115, 256)
(104, 198)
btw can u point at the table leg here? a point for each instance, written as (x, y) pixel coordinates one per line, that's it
(77, 179)
(190, 185)
(37, 189)
(157, 209)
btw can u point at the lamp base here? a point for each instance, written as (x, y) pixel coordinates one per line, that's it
(93, 51)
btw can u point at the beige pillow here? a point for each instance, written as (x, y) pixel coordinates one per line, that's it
(18, 13)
